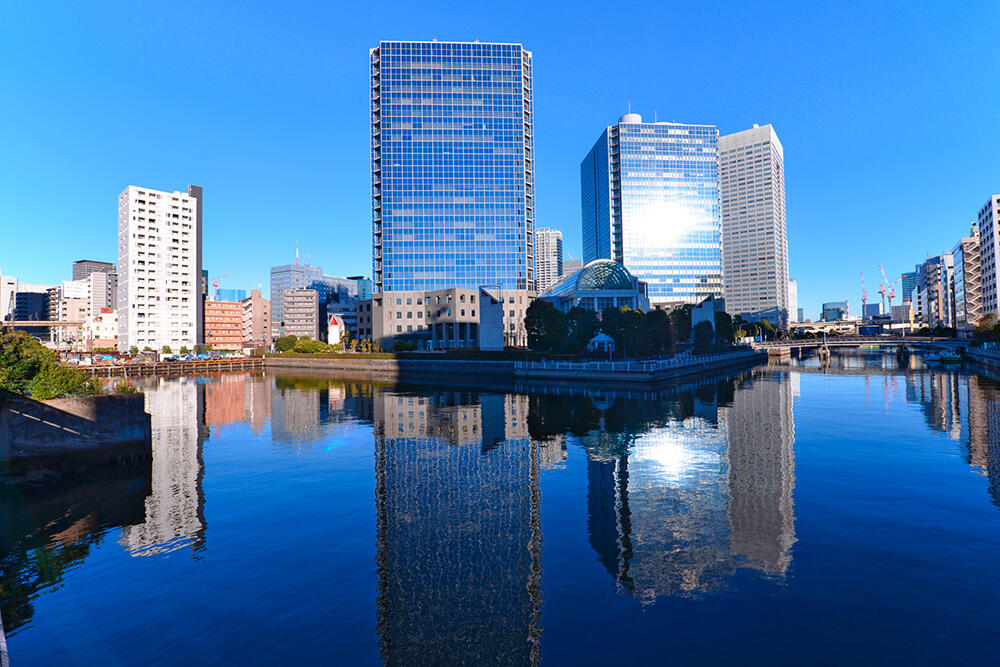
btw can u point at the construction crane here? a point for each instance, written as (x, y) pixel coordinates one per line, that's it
(889, 287)
(215, 283)
(864, 296)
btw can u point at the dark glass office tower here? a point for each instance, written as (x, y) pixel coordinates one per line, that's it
(452, 166)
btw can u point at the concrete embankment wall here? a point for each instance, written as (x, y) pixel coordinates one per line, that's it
(631, 377)
(489, 372)
(70, 432)
(409, 370)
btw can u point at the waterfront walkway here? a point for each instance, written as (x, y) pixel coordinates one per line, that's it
(644, 371)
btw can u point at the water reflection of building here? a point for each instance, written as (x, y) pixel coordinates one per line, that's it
(761, 430)
(458, 529)
(238, 398)
(937, 393)
(677, 503)
(175, 509)
(984, 430)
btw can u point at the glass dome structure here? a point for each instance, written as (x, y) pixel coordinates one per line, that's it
(601, 274)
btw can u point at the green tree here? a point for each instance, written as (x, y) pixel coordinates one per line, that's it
(659, 332)
(184, 349)
(704, 335)
(166, 349)
(681, 319)
(632, 325)
(308, 346)
(199, 348)
(581, 325)
(133, 350)
(30, 369)
(285, 343)
(147, 349)
(724, 331)
(545, 324)
(768, 330)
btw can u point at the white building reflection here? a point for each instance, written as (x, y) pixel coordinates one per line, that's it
(175, 509)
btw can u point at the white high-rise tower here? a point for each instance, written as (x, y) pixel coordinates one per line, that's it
(548, 257)
(754, 239)
(159, 268)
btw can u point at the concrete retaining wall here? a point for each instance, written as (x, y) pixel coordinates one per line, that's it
(398, 369)
(73, 431)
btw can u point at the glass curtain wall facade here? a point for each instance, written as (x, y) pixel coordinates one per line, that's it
(452, 166)
(650, 201)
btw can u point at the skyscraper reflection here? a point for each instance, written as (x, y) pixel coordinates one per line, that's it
(175, 517)
(458, 529)
(677, 503)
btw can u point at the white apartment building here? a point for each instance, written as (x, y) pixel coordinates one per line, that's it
(754, 239)
(988, 223)
(159, 268)
(548, 257)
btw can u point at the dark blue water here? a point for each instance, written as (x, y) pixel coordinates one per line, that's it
(784, 515)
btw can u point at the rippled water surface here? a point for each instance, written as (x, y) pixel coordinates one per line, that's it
(786, 514)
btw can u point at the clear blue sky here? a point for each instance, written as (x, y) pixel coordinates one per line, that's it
(889, 114)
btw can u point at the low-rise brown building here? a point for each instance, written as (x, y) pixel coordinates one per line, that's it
(224, 325)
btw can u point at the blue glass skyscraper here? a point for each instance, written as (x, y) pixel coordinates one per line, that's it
(452, 166)
(650, 201)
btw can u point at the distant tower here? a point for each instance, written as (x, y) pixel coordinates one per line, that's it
(754, 238)
(548, 257)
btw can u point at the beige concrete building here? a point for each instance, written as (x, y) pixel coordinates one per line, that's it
(302, 313)
(256, 321)
(967, 284)
(754, 238)
(548, 257)
(446, 319)
(224, 325)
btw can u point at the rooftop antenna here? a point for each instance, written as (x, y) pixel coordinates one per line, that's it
(296, 253)
(629, 103)
(654, 115)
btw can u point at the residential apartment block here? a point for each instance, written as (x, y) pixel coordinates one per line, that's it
(223, 325)
(103, 290)
(256, 324)
(302, 313)
(754, 238)
(452, 157)
(159, 268)
(650, 201)
(332, 291)
(967, 285)
(988, 223)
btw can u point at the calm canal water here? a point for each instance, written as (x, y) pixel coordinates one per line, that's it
(785, 515)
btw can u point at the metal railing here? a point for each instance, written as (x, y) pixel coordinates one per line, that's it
(650, 366)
